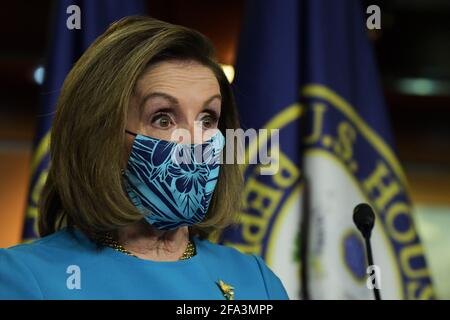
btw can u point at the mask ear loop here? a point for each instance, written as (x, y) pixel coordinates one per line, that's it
(132, 133)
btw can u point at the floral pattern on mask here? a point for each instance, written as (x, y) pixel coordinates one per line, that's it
(172, 184)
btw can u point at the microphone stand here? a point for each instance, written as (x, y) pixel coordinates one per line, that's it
(376, 291)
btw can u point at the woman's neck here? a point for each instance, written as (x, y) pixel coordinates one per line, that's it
(147, 242)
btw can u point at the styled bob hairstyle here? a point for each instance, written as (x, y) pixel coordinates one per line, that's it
(84, 187)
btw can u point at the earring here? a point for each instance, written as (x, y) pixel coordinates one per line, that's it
(122, 172)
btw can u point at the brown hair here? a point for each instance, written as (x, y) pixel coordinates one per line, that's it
(84, 187)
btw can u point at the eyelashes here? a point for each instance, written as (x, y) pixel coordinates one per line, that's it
(213, 114)
(164, 118)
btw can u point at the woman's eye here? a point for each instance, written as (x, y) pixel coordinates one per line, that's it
(209, 122)
(162, 120)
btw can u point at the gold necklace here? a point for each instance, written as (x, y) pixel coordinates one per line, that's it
(109, 241)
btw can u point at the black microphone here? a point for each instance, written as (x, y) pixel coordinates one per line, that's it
(364, 219)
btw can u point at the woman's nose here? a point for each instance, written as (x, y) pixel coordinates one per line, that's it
(189, 133)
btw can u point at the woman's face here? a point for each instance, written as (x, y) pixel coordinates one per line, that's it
(175, 95)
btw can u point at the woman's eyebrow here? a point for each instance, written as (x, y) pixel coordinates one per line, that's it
(163, 95)
(216, 96)
(172, 99)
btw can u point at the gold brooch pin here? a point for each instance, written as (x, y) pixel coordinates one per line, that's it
(227, 290)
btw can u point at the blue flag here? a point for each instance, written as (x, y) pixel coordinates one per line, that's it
(307, 69)
(68, 41)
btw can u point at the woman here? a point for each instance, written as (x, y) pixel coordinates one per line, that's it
(121, 217)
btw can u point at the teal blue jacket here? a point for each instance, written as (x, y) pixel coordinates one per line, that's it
(68, 265)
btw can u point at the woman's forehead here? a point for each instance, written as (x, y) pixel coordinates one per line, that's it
(178, 75)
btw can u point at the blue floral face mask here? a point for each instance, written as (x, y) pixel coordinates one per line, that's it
(172, 184)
